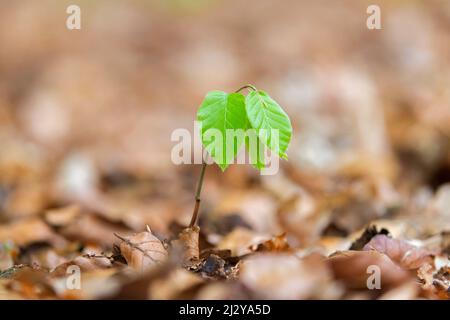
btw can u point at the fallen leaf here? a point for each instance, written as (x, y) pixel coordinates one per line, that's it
(405, 254)
(276, 244)
(284, 276)
(91, 229)
(240, 240)
(26, 231)
(142, 251)
(62, 216)
(173, 285)
(351, 267)
(187, 244)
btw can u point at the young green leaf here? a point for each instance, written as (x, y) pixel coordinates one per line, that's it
(221, 115)
(271, 122)
(255, 150)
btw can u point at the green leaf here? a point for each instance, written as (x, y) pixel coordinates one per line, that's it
(218, 113)
(266, 115)
(255, 149)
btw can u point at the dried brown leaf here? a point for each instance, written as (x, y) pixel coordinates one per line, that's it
(142, 251)
(285, 276)
(276, 244)
(26, 231)
(187, 244)
(405, 254)
(351, 267)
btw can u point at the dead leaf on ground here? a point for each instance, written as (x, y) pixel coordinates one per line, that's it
(285, 276)
(187, 244)
(142, 251)
(276, 244)
(240, 240)
(62, 216)
(173, 285)
(356, 276)
(26, 231)
(405, 254)
(91, 229)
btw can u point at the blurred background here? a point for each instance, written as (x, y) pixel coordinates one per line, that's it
(86, 115)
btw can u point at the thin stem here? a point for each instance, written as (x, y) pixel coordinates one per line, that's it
(197, 196)
(247, 86)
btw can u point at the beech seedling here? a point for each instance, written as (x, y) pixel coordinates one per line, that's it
(230, 120)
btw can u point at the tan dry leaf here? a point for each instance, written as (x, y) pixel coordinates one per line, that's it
(95, 284)
(173, 285)
(407, 291)
(26, 231)
(240, 240)
(187, 244)
(91, 229)
(86, 263)
(62, 216)
(351, 268)
(142, 251)
(405, 254)
(276, 244)
(27, 200)
(285, 276)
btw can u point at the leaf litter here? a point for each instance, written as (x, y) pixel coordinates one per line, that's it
(367, 182)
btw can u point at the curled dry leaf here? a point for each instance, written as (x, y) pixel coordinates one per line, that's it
(351, 267)
(405, 254)
(240, 240)
(142, 251)
(187, 244)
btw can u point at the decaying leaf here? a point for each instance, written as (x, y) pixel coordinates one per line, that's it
(405, 254)
(62, 216)
(174, 284)
(284, 276)
(240, 241)
(92, 230)
(94, 284)
(276, 244)
(24, 232)
(187, 245)
(142, 251)
(356, 276)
